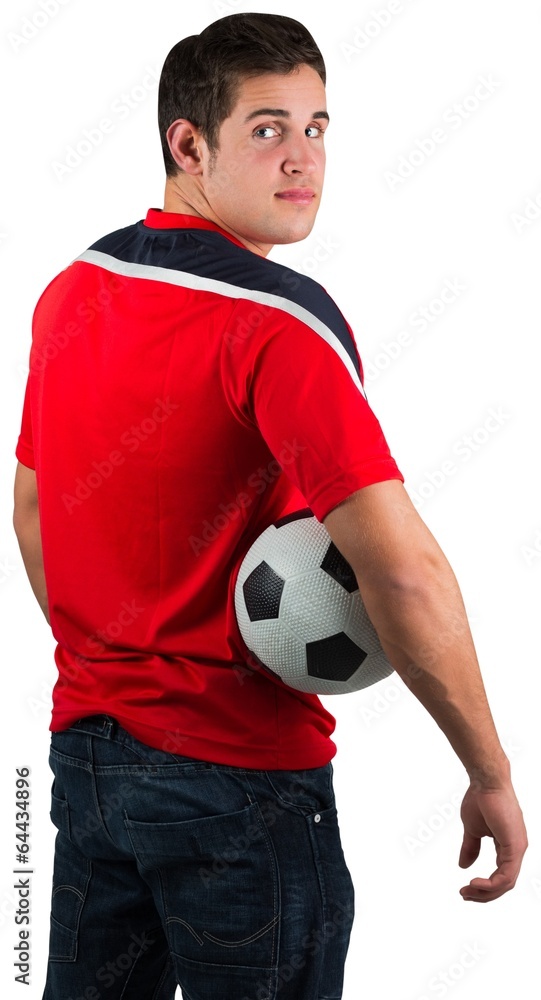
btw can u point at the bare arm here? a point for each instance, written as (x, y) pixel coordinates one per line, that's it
(27, 529)
(413, 599)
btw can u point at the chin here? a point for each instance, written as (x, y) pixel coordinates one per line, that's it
(294, 235)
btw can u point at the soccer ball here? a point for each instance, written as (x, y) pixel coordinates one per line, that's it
(300, 612)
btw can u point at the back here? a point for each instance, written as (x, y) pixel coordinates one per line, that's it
(183, 394)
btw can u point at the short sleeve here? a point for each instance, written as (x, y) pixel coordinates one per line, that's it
(24, 450)
(303, 391)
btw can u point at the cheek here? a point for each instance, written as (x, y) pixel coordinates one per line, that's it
(250, 179)
(233, 177)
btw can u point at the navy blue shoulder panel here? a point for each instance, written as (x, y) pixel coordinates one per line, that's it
(209, 254)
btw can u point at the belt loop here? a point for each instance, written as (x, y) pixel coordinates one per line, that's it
(108, 724)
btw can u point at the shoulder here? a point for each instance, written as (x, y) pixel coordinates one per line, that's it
(269, 292)
(113, 243)
(208, 262)
(277, 289)
(288, 289)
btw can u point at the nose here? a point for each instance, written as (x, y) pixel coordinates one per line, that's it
(300, 157)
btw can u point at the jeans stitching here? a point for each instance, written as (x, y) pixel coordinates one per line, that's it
(132, 970)
(168, 967)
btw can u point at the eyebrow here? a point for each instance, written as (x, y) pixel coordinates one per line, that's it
(280, 113)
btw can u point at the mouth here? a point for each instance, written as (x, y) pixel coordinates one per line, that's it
(299, 196)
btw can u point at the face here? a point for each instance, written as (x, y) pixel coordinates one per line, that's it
(265, 182)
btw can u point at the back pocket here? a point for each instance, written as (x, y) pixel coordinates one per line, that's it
(71, 878)
(217, 880)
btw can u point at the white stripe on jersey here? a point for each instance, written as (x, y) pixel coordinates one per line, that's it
(195, 281)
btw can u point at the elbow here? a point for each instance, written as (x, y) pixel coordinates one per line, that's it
(17, 522)
(21, 517)
(397, 597)
(413, 577)
(24, 520)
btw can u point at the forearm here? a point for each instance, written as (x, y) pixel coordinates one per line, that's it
(27, 529)
(425, 633)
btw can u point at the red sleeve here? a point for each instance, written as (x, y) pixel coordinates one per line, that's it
(307, 400)
(24, 450)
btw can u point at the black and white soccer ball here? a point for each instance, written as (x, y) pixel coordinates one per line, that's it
(300, 612)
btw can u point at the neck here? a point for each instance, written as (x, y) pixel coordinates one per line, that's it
(182, 196)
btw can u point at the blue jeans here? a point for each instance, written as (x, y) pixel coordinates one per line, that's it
(230, 882)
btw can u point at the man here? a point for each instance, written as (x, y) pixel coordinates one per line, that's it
(174, 409)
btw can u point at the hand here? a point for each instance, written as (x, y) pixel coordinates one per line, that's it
(495, 813)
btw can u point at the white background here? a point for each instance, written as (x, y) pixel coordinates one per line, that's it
(456, 218)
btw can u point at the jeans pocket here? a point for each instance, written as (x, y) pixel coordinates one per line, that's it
(218, 884)
(71, 877)
(303, 792)
(338, 898)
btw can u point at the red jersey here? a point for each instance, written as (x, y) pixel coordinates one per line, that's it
(183, 394)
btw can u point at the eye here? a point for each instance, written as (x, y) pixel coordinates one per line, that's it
(317, 129)
(266, 128)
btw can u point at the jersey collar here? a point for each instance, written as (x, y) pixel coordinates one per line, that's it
(156, 218)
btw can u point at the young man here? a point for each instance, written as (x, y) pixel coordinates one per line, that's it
(173, 411)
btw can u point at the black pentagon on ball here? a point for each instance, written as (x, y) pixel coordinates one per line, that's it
(336, 566)
(294, 516)
(262, 593)
(335, 658)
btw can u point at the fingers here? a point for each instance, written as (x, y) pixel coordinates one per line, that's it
(469, 850)
(483, 890)
(496, 815)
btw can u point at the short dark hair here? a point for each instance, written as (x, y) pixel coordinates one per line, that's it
(201, 75)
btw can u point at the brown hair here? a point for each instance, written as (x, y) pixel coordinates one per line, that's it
(201, 74)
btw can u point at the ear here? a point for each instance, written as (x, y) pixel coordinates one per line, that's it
(185, 145)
